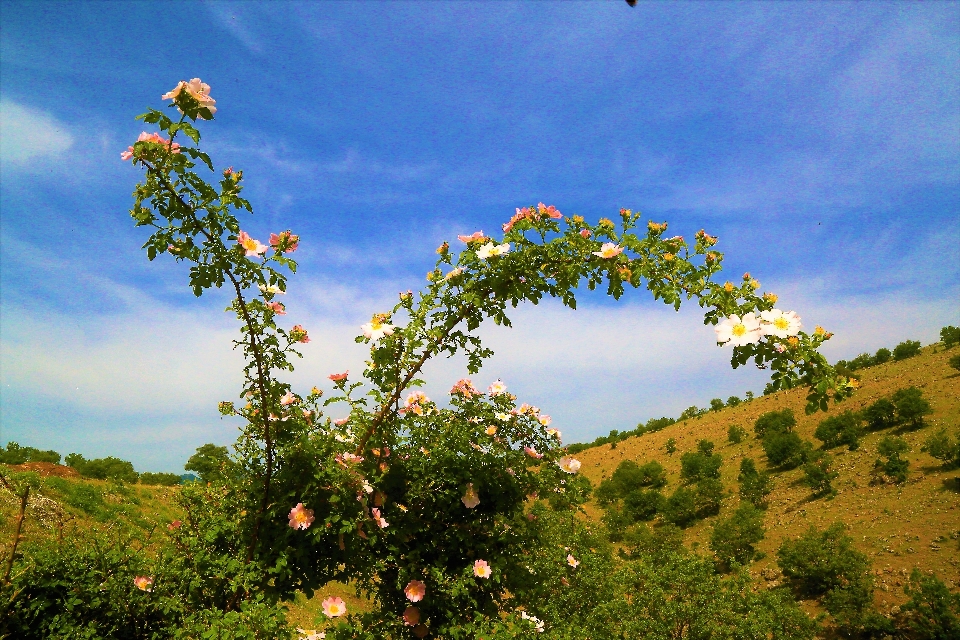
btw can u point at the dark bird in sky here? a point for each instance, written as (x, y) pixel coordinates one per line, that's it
(632, 3)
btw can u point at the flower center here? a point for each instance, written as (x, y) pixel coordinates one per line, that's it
(781, 323)
(739, 329)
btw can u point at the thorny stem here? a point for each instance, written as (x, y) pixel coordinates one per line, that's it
(17, 527)
(258, 359)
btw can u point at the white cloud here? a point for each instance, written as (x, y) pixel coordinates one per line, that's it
(27, 135)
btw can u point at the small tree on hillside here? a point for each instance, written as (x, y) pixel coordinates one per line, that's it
(943, 447)
(954, 362)
(906, 349)
(736, 434)
(209, 462)
(785, 450)
(843, 429)
(716, 404)
(818, 474)
(911, 407)
(754, 485)
(883, 355)
(779, 421)
(733, 401)
(670, 446)
(733, 540)
(950, 336)
(894, 467)
(880, 415)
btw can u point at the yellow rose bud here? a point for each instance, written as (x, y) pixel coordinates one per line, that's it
(668, 257)
(443, 248)
(606, 222)
(819, 330)
(755, 284)
(770, 297)
(728, 287)
(577, 219)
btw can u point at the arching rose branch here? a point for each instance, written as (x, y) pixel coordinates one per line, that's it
(401, 491)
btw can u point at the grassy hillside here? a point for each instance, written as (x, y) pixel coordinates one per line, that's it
(915, 524)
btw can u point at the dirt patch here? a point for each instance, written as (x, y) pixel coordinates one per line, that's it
(45, 469)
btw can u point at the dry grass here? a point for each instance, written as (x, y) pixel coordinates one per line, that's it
(898, 527)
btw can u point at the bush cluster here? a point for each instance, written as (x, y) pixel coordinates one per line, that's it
(783, 447)
(15, 454)
(754, 484)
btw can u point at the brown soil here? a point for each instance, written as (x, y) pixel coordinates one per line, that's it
(45, 469)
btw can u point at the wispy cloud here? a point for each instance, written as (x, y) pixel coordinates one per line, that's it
(29, 136)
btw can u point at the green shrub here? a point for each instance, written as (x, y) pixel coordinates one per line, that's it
(822, 561)
(670, 446)
(733, 540)
(754, 485)
(748, 395)
(880, 415)
(162, 479)
(861, 362)
(616, 522)
(641, 505)
(950, 336)
(883, 355)
(716, 404)
(785, 450)
(733, 401)
(775, 421)
(911, 407)
(15, 454)
(695, 466)
(658, 424)
(210, 462)
(954, 362)
(643, 540)
(894, 467)
(843, 429)
(943, 447)
(736, 434)
(906, 349)
(933, 612)
(818, 474)
(692, 412)
(681, 507)
(680, 595)
(708, 494)
(629, 476)
(109, 468)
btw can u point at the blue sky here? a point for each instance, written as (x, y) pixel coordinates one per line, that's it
(820, 141)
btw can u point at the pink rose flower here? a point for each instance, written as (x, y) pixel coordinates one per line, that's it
(585, 233)
(415, 590)
(301, 517)
(573, 562)
(251, 246)
(144, 583)
(476, 235)
(334, 607)
(470, 497)
(199, 91)
(289, 241)
(383, 524)
(533, 453)
(277, 308)
(299, 334)
(481, 569)
(337, 377)
(288, 398)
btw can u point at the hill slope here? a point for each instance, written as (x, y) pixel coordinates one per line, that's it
(899, 527)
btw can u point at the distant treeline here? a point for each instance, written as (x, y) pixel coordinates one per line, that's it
(109, 468)
(949, 336)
